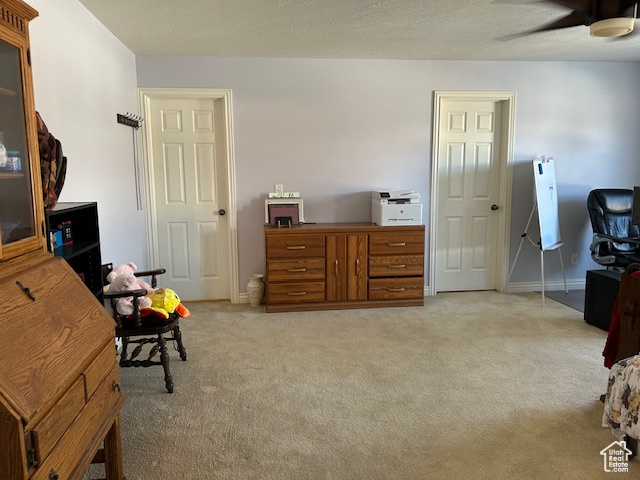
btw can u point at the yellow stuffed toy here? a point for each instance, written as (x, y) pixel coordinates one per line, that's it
(163, 302)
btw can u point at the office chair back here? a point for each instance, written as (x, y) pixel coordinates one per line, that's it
(610, 214)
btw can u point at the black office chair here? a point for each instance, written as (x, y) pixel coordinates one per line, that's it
(616, 242)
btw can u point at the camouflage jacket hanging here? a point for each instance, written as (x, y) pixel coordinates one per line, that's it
(53, 164)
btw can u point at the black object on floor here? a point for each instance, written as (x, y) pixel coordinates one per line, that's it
(600, 294)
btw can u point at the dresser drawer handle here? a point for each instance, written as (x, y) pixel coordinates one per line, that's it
(297, 294)
(398, 244)
(397, 266)
(53, 475)
(296, 247)
(296, 270)
(115, 386)
(400, 289)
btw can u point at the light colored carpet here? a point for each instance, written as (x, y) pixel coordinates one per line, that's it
(474, 385)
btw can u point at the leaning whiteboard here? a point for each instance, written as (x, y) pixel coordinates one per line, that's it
(547, 200)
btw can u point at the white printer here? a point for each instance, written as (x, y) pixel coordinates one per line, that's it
(396, 207)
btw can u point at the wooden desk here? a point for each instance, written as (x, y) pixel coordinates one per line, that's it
(60, 394)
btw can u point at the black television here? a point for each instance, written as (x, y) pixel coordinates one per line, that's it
(635, 210)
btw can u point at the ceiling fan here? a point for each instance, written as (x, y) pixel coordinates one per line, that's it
(605, 18)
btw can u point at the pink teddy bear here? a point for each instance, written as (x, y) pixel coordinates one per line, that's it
(122, 279)
(128, 269)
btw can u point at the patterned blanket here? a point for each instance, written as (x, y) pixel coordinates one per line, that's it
(623, 397)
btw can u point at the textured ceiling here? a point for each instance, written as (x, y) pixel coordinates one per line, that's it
(386, 29)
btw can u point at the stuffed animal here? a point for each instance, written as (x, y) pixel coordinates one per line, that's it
(128, 269)
(163, 302)
(125, 283)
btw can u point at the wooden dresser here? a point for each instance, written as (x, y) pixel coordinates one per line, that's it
(343, 265)
(60, 394)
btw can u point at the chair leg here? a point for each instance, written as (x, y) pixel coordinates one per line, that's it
(164, 358)
(125, 344)
(177, 334)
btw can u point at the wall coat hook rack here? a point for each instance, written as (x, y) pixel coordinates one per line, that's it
(134, 121)
(129, 119)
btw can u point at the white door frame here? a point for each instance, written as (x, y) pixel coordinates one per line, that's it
(145, 96)
(508, 103)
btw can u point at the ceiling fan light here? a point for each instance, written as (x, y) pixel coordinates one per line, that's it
(611, 27)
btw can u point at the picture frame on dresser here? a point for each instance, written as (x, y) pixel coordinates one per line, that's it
(280, 207)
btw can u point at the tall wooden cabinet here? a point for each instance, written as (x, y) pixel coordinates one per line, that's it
(21, 212)
(344, 265)
(60, 394)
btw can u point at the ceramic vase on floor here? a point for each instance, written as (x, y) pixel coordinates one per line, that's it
(255, 289)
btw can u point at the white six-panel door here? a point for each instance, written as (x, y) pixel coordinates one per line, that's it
(189, 179)
(468, 195)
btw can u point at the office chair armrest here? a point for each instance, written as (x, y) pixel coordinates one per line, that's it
(152, 274)
(604, 256)
(602, 238)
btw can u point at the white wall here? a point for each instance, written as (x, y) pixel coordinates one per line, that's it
(336, 129)
(331, 129)
(83, 76)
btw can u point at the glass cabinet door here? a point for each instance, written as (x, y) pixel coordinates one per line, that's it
(16, 195)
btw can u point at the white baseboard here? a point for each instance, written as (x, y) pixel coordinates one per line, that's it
(575, 284)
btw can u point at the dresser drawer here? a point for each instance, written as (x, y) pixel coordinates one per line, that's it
(302, 269)
(49, 430)
(99, 368)
(391, 243)
(396, 265)
(395, 288)
(87, 430)
(295, 292)
(295, 246)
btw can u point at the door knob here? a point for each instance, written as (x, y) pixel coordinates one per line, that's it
(494, 207)
(222, 211)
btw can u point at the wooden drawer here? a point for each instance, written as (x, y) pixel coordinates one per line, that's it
(49, 430)
(87, 430)
(400, 243)
(295, 292)
(395, 288)
(295, 246)
(55, 423)
(99, 368)
(396, 265)
(302, 269)
(54, 351)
